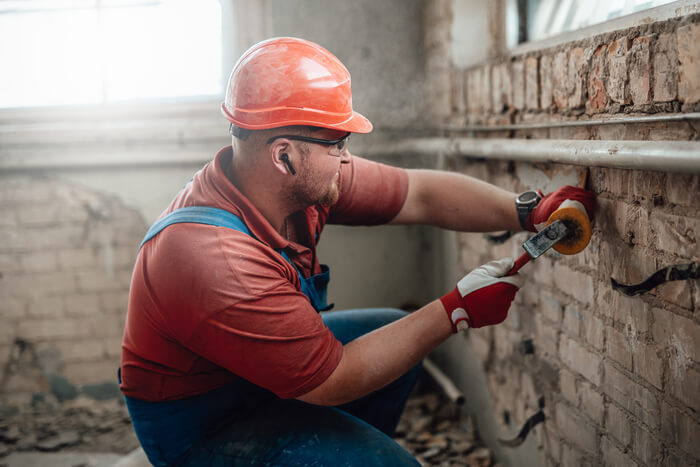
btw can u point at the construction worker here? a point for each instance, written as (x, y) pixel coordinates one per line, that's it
(229, 355)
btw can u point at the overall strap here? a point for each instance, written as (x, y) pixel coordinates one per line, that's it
(199, 215)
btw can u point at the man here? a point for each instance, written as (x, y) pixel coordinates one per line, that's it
(226, 359)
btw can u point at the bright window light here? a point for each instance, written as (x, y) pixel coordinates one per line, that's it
(547, 18)
(65, 52)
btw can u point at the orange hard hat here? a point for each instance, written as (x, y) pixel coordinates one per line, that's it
(288, 81)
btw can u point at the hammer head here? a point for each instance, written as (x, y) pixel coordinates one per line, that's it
(545, 239)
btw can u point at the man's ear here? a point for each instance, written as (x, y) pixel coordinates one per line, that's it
(280, 158)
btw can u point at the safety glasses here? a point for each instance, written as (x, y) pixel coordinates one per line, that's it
(338, 143)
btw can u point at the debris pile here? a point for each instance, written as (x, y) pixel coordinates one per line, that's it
(433, 430)
(80, 425)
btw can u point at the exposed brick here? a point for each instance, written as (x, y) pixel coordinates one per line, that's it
(484, 92)
(689, 63)
(682, 189)
(8, 217)
(546, 84)
(82, 304)
(679, 429)
(575, 429)
(473, 79)
(628, 265)
(665, 68)
(101, 280)
(45, 307)
(37, 284)
(597, 95)
(676, 292)
(517, 72)
(10, 263)
(628, 222)
(580, 360)
(619, 348)
(559, 81)
(8, 332)
(572, 456)
(54, 329)
(547, 336)
(646, 446)
(684, 386)
(675, 234)
(591, 402)
(618, 425)
(13, 309)
(81, 350)
(550, 308)
(40, 261)
(640, 80)
(457, 97)
(594, 331)
(572, 320)
(612, 455)
(574, 283)
(500, 87)
(632, 312)
(576, 79)
(679, 335)
(632, 396)
(616, 84)
(90, 372)
(648, 363)
(567, 386)
(532, 87)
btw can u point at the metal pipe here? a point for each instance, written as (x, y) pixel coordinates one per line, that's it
(444, 381)
(573, 123)
(665, 156)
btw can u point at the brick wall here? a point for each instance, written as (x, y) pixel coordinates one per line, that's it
(65, 262)
(620, 375)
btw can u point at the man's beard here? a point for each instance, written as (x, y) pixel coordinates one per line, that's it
(307, 192)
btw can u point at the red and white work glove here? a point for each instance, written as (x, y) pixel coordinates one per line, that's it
(583, 200)
(483, 296)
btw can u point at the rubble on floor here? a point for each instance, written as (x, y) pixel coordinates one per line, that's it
(431, 429)
(434, 431)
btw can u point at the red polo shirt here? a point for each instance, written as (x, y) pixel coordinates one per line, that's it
(208, 304)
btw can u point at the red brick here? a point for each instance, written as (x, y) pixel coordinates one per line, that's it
(546, 85)
(597, 96)
(575, 429)
(559, 81)
(689, 63)
(517, 73)
(532, 79)
(640, 71)
(631, 395)
(665, 68)
(616, 84)
(576, 79)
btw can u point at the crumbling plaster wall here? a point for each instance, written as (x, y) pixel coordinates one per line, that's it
(620, 376)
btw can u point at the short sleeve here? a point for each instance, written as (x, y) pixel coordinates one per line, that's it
(371, 193)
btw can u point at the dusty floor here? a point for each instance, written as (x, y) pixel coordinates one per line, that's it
(431, 429)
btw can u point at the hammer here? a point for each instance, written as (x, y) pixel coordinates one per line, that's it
(568, 231)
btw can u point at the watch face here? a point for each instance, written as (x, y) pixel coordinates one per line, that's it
(527, 197)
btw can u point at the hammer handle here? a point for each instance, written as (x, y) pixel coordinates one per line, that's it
(519, 263)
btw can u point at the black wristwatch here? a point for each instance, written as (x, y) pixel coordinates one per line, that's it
(524, 204)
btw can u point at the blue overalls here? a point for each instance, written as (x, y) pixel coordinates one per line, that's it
(235, 424)
(314, 287)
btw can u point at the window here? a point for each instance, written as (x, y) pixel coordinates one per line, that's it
(63, 52)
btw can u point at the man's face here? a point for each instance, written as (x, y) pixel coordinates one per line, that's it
(318, 176)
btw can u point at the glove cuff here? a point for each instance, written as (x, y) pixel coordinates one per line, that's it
(456, 311)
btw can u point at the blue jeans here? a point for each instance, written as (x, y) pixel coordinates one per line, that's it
(243, 424)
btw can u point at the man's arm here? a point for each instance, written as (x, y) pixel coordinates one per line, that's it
(372, 361)
(457, 202)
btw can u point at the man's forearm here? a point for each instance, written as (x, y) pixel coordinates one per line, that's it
(378, 358)
(457, 202)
